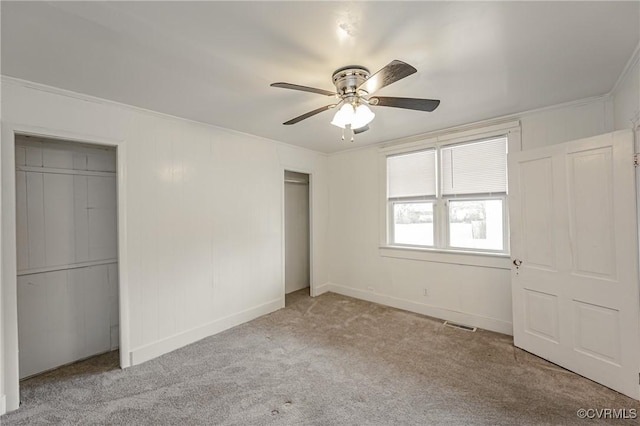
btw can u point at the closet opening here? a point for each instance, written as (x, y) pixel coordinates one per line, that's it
(67, 255)
(297, 235)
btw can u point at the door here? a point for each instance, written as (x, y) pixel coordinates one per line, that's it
(575, 253)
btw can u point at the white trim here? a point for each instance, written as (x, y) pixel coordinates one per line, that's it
(478, 124)
(635, 57)
(514, 144)
(51, 170)
(321, 289)
(450, 137)
(10, 359)
(123, 259)
(166, 345)
(487, 260)
(312, 236)
(479, 321)
(64, 267)
(401, 146)
(3, 404)
(479, 132)
(101, 101)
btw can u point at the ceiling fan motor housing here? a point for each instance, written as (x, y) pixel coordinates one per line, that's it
(348, 79)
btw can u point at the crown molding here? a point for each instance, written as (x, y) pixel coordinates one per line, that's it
(631, 63)
(4, 79)
(477, 124)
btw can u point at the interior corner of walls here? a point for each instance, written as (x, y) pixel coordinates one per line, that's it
(3, 404)
(177, 341)
(323, 288)
(474, 320)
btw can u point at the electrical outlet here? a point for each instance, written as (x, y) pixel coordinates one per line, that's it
(425, 292)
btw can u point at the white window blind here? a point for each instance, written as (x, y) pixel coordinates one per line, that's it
(412, 175)
(475, 168)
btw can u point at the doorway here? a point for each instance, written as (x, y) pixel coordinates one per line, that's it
(297, 233)
(67, 254)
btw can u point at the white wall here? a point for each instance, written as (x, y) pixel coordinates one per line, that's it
(626, 95)
(474, 295)
(201, 205)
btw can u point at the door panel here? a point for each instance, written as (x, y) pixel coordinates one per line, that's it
(590, 190)
(537, 192)
(541, 315)
(575, 294)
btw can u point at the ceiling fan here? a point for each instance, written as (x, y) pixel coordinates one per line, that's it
(354, 89)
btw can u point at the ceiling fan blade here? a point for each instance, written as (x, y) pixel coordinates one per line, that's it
(303, 88)
(307, 115)
(361, 129)
(406, 103)
(394, 71)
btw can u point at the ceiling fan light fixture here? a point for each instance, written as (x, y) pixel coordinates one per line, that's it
(354, 85)
(355, 117)
(344, 116)
(362, 117)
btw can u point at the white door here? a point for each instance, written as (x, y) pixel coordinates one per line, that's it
(574, 236)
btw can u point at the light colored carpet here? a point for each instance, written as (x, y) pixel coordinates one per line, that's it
(329, 360)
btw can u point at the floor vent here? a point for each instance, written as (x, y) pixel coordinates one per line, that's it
(459, 326)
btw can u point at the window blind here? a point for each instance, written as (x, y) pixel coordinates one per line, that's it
(412, 175)
(474, 168)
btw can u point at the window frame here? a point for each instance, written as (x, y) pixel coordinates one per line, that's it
(442, 250)
(406, 200)
(477, 197)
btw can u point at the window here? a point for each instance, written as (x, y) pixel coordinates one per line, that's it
(412, 191)
(451, 196)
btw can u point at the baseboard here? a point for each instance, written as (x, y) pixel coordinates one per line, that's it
(485, 323)
(3, 404)
(318, 290)
(161, 347)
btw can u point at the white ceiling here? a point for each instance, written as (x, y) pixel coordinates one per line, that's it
(213, 61)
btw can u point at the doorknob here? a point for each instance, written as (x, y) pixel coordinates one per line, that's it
(517, 262)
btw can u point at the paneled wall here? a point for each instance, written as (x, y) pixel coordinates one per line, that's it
(66, 253)
(473, 295)
(66, 315)
(203, 215)
(626, 97)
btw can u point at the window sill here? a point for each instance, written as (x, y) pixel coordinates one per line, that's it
(486, 260)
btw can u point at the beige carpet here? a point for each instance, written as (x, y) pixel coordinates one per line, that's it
(329, 360)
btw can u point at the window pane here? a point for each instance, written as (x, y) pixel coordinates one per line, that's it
(412, 175)
(476, 224)
(413, 223)
(475, 168)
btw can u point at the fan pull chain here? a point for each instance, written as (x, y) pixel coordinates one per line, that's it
(342, 134)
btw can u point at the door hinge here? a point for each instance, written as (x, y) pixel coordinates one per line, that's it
(636, 160)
